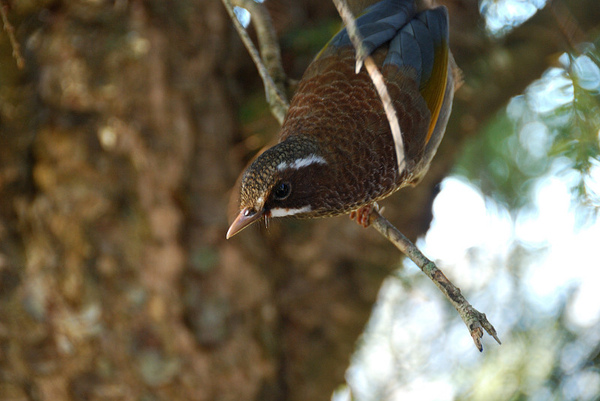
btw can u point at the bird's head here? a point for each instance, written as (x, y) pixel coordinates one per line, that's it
(280, 182)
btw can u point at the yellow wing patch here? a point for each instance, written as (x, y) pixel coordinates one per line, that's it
(433, 91)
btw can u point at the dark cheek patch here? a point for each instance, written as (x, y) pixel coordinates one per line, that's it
(309, 185)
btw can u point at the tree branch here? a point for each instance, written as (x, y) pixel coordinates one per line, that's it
(10, 31)
(475, 320)
(268, 43)
(274, 93)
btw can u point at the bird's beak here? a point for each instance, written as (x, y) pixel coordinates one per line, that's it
(243, 220)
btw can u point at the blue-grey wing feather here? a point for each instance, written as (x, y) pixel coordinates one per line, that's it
(379, 24)
(414, 45)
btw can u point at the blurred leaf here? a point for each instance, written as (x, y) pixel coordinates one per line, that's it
(554, 124)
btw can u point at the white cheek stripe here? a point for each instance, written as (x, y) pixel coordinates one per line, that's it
(282, 212)
(303, 162)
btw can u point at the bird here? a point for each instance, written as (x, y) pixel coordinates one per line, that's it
(336, 153)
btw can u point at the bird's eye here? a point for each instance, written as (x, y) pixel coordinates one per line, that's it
(282, 190)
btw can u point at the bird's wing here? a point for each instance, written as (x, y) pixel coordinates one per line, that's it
(421, 49)
(378, 25)
(418, 46)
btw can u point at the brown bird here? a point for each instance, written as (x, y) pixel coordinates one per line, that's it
(336, 152)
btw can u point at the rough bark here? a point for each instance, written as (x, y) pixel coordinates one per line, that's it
(119, 143)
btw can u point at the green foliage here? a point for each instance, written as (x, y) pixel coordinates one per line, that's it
(551, 129)
(497, 163)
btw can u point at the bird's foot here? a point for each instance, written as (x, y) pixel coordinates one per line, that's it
(363, 214)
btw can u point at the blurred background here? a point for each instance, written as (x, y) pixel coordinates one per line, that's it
(123, 133)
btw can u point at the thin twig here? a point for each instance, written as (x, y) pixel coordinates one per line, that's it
(268, 43)
(476, 321)
(376, 77)
(277, 100)
(10, 31)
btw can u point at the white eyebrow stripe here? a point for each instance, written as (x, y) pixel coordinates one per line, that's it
(282, 212)
(302, 162)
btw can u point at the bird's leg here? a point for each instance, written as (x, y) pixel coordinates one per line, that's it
(363, 214)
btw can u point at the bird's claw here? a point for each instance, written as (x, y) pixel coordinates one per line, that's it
(362, 215)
